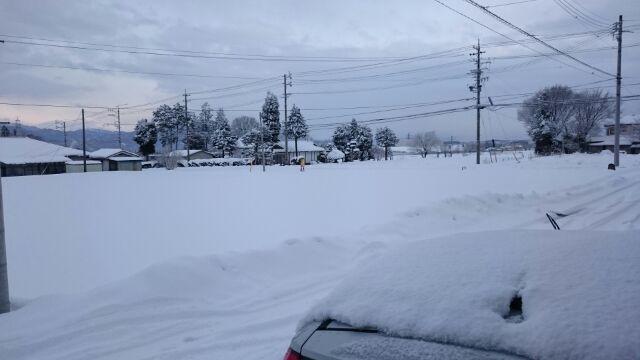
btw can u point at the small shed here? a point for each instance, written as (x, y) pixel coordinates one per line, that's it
(117, 160)
(77, 166)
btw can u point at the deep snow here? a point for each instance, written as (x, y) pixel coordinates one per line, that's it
(143, 243)
(580, 292)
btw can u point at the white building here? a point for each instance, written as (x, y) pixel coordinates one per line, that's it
(306, 149)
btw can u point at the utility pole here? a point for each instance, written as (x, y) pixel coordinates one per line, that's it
(186, 119)
(119, 133)
(262, 145)
(616, 148)
(84, 145)
(477, 88)
(5, 304)
(64, 129)
(286, 121)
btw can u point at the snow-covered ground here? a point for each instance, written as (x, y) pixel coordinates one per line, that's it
(211, 263)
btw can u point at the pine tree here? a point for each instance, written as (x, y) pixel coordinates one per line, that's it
(222, 138)
(270, 116)
(386, 138)
(296, 126)
(146, 137)
(253, 138)
(341, 138)
(164, 119)
(205, 125)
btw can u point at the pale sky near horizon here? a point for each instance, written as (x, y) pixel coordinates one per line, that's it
(372, 39)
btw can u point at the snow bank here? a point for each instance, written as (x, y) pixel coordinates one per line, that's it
(580, 293)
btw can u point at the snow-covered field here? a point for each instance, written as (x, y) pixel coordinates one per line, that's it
(213, 263)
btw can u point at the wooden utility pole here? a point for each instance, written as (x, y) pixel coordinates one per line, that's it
(84, 145)
(616, 147)
(5, 304)
(286, 121)
(186, 119)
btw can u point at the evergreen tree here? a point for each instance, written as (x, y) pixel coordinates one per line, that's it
(205, 126)
(254, 139)
(222, 139)
(165, 122)
(364, 142)
(4, 132)
(341, 137)
(296, 126)
(386, 138)
(146, 137)
(270, 116)
(355, 140)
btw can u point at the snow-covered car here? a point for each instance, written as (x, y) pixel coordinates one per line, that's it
(494, 295)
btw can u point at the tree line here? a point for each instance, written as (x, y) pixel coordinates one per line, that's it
(210, 129)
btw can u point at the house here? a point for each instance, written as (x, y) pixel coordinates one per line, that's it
(629, 136)
(77, 166)
(117, 160)
(306, 149)
(24, 156)
(193, 154)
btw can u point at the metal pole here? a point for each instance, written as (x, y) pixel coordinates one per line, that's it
(84, 145)
(64, 131)
(616, 148)
(186, 119)
(5, 304)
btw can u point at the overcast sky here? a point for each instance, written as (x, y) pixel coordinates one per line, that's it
(320, 35)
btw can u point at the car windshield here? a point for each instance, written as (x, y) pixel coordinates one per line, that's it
(319, 180)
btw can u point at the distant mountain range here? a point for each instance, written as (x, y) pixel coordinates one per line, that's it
(96, 138)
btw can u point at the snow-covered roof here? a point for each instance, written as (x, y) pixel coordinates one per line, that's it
(20, 150)
(579, 291)
(303, 145)
(109, 153)
(627, 119)
(80, 162)
(608, 140)
(126, 158)
(183, 153)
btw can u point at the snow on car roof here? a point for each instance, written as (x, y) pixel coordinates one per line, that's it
(580, 293)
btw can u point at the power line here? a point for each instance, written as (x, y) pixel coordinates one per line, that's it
(185, 53)
(484, 9)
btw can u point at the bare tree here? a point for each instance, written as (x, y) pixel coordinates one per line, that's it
(424, 141)
(241, 125)
(590, 109)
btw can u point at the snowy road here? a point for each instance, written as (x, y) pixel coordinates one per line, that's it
(246, 303)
